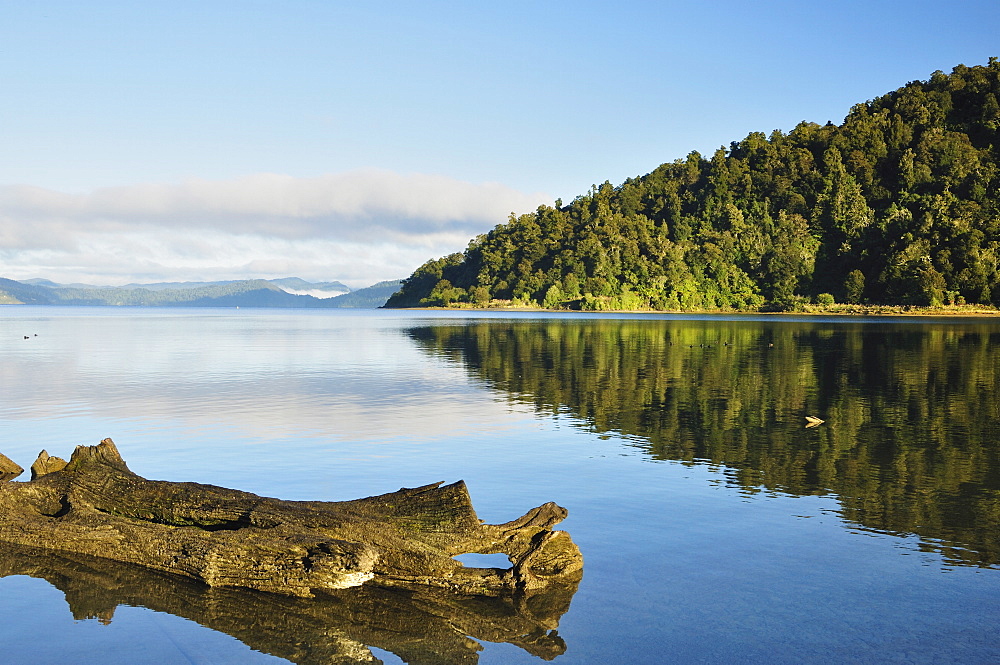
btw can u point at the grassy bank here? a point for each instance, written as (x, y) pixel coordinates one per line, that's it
(809, 308)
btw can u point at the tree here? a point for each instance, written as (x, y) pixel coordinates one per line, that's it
(479, 296)
(791, 257)
(553, 297)
(854, 287)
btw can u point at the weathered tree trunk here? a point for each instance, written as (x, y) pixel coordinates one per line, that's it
(96, 506)
(8, 469)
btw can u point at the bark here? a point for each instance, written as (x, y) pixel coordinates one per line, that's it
(94, 505)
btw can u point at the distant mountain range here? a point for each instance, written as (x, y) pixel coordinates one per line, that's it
(286, 292)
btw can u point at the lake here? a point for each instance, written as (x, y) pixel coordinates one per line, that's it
(715, 526)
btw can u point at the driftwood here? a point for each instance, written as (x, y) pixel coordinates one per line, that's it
(422, 625)
(94, 505)
(8, 469)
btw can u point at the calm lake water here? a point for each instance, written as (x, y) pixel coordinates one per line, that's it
(715, 526)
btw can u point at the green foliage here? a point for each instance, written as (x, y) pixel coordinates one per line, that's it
(825, 299)
(854, 287)
(443, 293)
(897, 205)
(417, 289)
(553, 297)
(479, 296)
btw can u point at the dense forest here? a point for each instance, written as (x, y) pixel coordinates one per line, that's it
(897, 205)
(913, 412)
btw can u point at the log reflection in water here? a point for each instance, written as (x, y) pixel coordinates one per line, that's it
(421, 625)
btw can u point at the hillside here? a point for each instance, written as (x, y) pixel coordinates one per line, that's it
(293, 285)
(896, 205)
(246, 293)
(370, 297)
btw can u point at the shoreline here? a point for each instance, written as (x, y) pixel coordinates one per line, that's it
(971, 311)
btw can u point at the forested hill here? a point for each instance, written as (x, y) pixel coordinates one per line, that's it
(897, 205)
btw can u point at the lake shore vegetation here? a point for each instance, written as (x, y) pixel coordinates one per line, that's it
(896, 206)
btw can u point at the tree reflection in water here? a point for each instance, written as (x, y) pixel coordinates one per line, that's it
(911, 442)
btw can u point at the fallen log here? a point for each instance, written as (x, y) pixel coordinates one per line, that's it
(96, 506)
(8, 469)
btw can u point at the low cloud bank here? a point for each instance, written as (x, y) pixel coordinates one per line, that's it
(358, 227)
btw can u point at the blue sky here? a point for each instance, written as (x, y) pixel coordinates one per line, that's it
(145, 141)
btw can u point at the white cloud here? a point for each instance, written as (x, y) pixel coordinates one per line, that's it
(359, 227)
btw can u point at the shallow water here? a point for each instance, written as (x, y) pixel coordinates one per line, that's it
(715, 526)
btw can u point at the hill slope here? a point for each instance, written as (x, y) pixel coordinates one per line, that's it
(897, 205)
(246, 293)
(370, 297)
